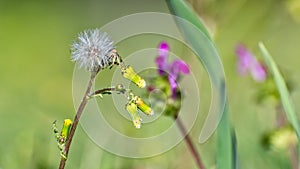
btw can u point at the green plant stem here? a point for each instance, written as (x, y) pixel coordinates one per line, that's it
(293, 154)
(76, 119)
(189, 142)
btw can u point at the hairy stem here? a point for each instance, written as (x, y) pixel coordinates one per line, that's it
(189, 142)
(76, 119)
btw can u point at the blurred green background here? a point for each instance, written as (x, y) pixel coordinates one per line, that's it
(36, 78)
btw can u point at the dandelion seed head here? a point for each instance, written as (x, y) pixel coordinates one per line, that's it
(92, 50)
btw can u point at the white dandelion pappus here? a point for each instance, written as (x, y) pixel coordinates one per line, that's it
(92, 50)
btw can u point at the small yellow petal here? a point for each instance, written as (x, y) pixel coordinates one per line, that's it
(67, 122)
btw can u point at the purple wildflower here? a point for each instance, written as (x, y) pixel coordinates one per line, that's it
(247, 62)
(161, 60)
(259, 72)
(172, 70)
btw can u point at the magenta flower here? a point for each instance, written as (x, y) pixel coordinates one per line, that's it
(172, 70)
(161, 59)
(247, 62)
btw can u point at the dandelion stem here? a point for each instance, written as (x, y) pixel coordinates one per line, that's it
(76, 119)
(189, 142)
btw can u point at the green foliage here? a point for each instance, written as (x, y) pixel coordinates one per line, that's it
(282, 88)
(203, 45)
(62, 136)
(36, 75)
(226, 145)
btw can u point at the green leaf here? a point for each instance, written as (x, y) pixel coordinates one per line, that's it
(282, 89)
(234, 150)
(182, 9)
(226, 144)
(197, 36)
(199, 40)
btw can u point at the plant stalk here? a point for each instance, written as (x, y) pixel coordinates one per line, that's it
(76, 119)
(189, 142)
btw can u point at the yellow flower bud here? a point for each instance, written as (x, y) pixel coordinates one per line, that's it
(132, 109)
(143, 106)
(66, 128)
(130, 74)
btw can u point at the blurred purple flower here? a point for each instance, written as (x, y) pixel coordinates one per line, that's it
(247, 62)
(161, 59)
(172, 70)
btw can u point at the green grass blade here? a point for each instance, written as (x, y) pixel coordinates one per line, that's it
(234, 149)
(196, 35)
(282, 89)
(182, 9)
(225, 146)
(198, 38)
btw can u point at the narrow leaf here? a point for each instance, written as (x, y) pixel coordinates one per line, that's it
(198, 38)
(182, 9)
(282, 88)
(226, 144)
